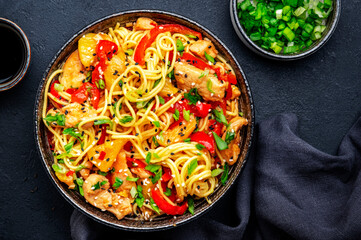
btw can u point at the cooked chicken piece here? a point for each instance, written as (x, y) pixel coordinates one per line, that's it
(175, 134)
(73, 72)
(235, 92)
(122, 171)
(199, 47)
(104, 198)
(189, 77)
(86, 171)
(143, 23)
(231, 154)
(75, 113)
(141, 172)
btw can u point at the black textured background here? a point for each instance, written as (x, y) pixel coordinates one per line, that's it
(323, 90)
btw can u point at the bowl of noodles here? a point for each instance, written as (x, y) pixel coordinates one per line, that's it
(143, 120)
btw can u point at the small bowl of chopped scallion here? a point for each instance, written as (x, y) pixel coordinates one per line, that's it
(285, 29)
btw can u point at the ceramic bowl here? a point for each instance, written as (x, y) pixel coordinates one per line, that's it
(131, 223)
(26, 53)
(326, 35)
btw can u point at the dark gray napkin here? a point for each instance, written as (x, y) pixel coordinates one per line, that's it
(288, 189)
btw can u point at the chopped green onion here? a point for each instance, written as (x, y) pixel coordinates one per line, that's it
(130, 179)
(161, 100)
(118, 182)
(126, 119)
(221, 144)
(58, 87)
(148, 157)
(216, 172)
(154, 206)
(180, 46)
(129, 52)
(176, 115)
(192, 166)
(191, 205)
(58, 168)
(156, 123)
(101, 84)
(186, 114)
(209, 57)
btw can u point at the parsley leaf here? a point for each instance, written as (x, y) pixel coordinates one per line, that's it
(59, 119)
(193, 96)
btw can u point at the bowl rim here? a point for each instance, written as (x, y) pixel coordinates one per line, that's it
(25, 65)
(66, 195)
(270, 55)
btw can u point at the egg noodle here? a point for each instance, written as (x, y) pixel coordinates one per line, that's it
(138, 101)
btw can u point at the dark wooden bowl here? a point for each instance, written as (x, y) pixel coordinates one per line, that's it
(131, 223)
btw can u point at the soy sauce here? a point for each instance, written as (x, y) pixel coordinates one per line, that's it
(12, 53)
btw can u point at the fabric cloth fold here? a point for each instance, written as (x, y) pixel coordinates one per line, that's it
(287, 190)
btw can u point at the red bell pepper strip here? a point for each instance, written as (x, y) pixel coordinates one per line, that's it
(198, 63)
(166, 206)
(127, 146)
(202, 109)
(71, 90)
(149, 38)
(228, 92)
(131, 161)
(204, 139)
(102, 155)
(167, 175)
(215, 127)
(81, 95)
(53, 90)
(106, 49)
(104, 134)
(98, 72)
(69, 173)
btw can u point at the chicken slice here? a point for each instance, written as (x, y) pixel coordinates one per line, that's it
(104, 198)
(188, 77)
(122, 171)
(231, 154)
(75, 113)
(73, 72)
(199, 47)
(235, 92)
(143, 23)
(86, 171)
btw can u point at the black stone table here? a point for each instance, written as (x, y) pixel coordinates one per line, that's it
(324, 90)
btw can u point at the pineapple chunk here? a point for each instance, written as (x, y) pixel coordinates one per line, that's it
(114, 67)
(111, 148)
(168, 89)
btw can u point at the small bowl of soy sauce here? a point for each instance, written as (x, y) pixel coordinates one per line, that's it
(15, 54)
